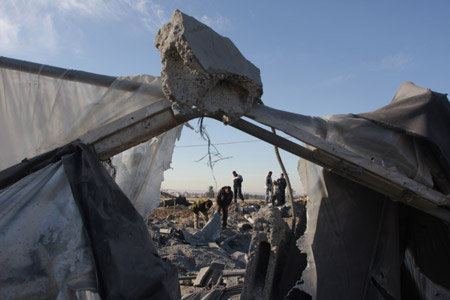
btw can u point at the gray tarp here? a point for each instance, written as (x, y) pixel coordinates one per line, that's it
(45, 250)
(58, 222)
(40, 113)
(360, 244)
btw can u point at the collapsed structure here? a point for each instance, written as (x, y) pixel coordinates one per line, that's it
(378, 183)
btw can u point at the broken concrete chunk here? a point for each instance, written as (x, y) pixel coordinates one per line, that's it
(232, 281)
(241, 256)
(201, 276)
(165, 230)
(266, 255)
(209, 276)
(249, 219)
(243, 227)
(204, 71)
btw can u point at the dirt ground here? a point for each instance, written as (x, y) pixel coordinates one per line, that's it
(166, 223)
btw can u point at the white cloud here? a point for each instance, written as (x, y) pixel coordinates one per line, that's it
(39, 27)
(152, 15)
(218, 23)
(47, 25)
(397, 61)
(8, 34)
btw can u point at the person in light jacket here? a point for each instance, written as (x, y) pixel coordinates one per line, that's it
(268, 185)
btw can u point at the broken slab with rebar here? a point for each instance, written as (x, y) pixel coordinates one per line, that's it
(204, 71)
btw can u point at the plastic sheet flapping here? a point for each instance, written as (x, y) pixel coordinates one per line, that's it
(39, 113)
(45, 252)
(140, 170)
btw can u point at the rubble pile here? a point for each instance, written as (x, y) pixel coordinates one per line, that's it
(217, 267)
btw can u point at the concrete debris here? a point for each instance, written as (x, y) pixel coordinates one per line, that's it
(204, 71)
(286, 211)
(241, 256)
(267, 250)
(238, 209)
(231, 249)
(232, 281)
(165, 230)
(213, 245)
(209, 276)
(209, 233)
(243, 227)
(249, 219)
(232, 293)
(175, 201)
(251, 209)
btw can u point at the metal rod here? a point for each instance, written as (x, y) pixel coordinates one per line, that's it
(66, 74)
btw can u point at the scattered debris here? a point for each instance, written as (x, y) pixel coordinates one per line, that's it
(173, 200)
(168, 227)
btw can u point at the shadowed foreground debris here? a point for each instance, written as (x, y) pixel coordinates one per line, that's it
(220, 269)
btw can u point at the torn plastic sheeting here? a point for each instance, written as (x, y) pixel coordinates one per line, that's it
(45, 252)
(50, 112)
(118, 236)
(140, 170)
(209, 233)
(352, 236)
(123, 249)
(42, 113)
(426, 288)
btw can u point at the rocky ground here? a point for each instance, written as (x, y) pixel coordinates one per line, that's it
(166, 223)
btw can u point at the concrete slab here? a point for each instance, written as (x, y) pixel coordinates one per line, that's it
(204, 71)
(266, 256)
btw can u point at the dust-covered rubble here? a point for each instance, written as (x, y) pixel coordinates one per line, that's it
(230, 250)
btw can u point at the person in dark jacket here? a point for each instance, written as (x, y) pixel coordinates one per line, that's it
(223, 200)
(202, 206)
(282, 187)
(237, 186)
(276, 194)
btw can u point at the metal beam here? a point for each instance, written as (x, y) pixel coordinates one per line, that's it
(55, 72)
(135, 128)
(396, 186)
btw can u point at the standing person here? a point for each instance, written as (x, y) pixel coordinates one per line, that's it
(223, 200)
(282, 186)
(237, 186)
(268, 186)
(276, 194)
(202, 206)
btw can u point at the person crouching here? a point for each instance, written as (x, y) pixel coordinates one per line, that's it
(223, 200)
(202, 206)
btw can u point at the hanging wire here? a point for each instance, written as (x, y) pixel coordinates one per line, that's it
(213, 155)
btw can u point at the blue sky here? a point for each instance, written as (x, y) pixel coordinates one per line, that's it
(316, 58)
